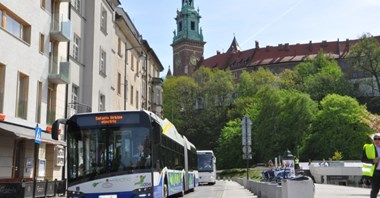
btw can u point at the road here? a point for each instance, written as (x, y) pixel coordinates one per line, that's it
(222, 189)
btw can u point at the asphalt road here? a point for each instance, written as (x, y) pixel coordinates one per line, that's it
(222, 189)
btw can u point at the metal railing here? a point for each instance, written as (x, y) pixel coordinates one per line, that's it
(25, 189)
(75, 107)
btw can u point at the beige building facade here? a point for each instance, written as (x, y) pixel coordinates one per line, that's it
(59, 58)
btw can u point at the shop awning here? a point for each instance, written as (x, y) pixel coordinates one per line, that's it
(27, 132)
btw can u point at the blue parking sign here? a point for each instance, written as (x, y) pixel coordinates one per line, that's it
(38, 135)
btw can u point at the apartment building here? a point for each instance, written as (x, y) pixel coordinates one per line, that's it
(34, 69)
(61, 57)
(113, 68)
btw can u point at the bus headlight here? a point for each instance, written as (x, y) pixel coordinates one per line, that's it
(143, 192)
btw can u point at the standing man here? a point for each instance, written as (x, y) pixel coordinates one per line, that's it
(371, 165)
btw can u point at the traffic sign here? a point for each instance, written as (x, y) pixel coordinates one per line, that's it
(246, 130)
(245, 156)
(247, 149)
(38, 135)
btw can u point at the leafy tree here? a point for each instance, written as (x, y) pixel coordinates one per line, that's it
(214, 98)
(338, 126)
(179, 100)
(198, 105)
(321, 76)
(365, 56)
(250, 83)
(229, 150)
(280, 120)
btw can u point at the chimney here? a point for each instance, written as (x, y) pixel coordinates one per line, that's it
(257, 44)
(337, 47)
(310, 46)
(280, 48)
(347, 44)
(286, 46)
(217, 52)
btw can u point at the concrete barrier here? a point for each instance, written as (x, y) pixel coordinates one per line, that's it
(288, 189)
(292, 188)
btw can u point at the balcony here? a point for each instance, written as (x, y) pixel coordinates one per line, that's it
(60, 75)
(61, 30)
(75, 107)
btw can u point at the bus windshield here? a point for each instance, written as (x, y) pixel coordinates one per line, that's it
(101, 151)
(205, 162)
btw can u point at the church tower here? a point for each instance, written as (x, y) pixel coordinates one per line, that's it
(188, 44)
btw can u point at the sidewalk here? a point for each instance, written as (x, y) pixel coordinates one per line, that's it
(335, 191)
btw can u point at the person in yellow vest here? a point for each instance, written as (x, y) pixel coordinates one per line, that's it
(371, 165)
(296, 163)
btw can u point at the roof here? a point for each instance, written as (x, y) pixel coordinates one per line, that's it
(283, 53)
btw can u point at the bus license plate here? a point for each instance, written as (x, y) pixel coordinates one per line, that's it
(107, 196)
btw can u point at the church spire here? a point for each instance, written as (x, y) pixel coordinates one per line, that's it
(188, 44)
(234, 47)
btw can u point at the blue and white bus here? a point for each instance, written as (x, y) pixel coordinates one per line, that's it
(206, 166)
(127, 154)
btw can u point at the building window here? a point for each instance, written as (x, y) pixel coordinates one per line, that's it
(119, 83)
(186, 69)
(39, 102)
(137, 99)
(144, 89)
(138, 66)
(103, 21)
(132, 63)
(192, 25)
(132, 95)
(42, 43)
(74, 98)
(102, 62)
(76, 4)
(14, 24)
(2, 85)
(43, 4)
(102, 102)
(180, 26)
(22, 96)
(50, 114)
(76, 47)
(119, 46)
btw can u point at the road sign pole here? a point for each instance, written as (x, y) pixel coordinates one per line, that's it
(246, 147)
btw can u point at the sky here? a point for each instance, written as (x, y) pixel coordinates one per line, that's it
(270, 22)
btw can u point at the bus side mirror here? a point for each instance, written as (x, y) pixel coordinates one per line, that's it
(55, 128)
(156, 133)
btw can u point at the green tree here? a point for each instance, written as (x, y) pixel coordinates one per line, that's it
(213, 100)
(322, 76)
(365, 56)
(338, 127)
(179, 99)
(250, 83)
(229, 150)
(281, 118)
(198, 105)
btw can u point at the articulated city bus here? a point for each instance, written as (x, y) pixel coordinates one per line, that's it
(206, 166)
(127, 154)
